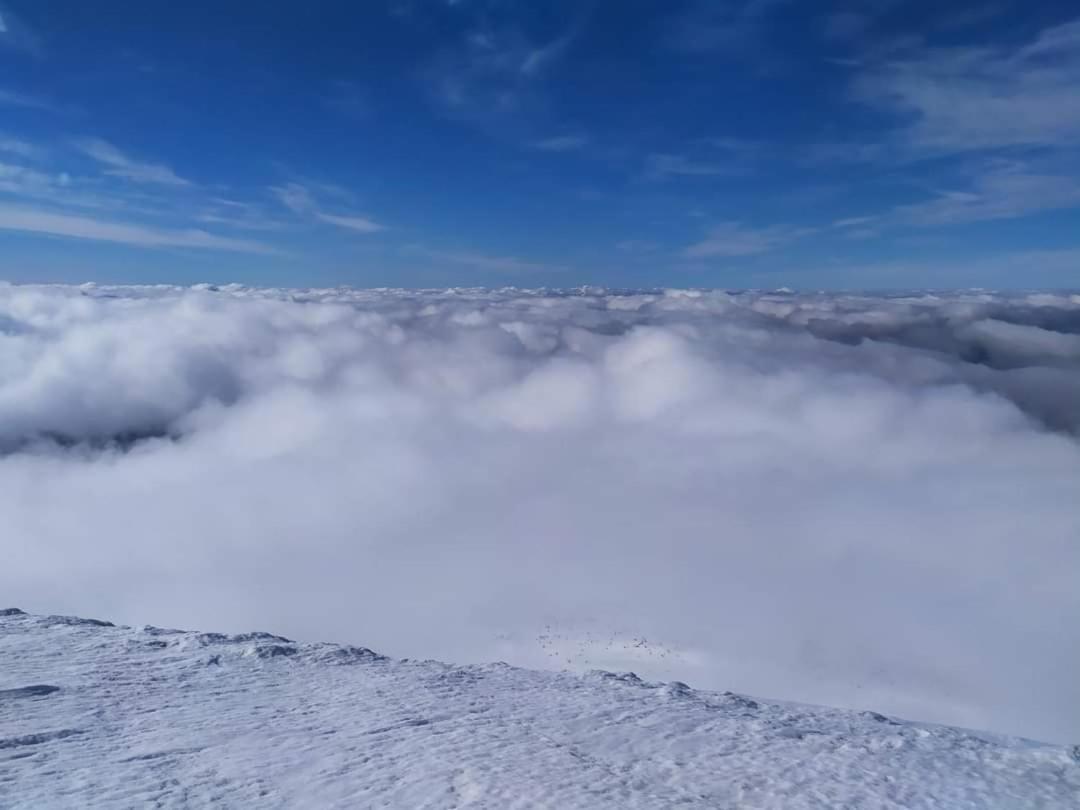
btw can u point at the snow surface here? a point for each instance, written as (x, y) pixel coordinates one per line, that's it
(94, 715)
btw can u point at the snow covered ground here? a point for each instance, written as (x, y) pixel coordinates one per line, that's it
(93, 715)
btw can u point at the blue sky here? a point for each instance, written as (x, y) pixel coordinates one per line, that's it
(468, 142)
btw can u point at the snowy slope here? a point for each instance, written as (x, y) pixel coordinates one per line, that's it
(97, 715)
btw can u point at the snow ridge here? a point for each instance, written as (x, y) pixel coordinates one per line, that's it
(97, 715)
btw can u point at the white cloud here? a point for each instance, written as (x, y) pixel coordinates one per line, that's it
(986, 191)
(299, 199)
(484, 76)
(857, 501)
(539, 58)
(60, 189)
(352, 223)
(1001, 192)
(481, 261)
(736, 239)
(497, 69)
(120, 165)
(20, 148)
(295, 197)
(1061, 40)
(13, 99)
(24, 181)
(967, 98)
(49, 199)
(34, 220)
(240, 215)
(850, 222)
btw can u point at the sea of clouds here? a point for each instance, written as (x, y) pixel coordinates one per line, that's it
(867, 501)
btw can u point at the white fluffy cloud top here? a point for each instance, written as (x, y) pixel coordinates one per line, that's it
(861, 501)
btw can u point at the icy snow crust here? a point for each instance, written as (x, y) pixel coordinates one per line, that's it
(94, 715)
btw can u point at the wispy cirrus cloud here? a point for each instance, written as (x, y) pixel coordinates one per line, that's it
(351, 223)
(25, 181)
(965, 98)
(127, 202)
(299, 199)
(489, 74)
(495, 72)
(1011, 111)
(10, 98)
(118, 164)
(481, 261)
(729, 239)
(1006, 191)
(34, 220)
(540, 57)
(987, 191)
(294, 196)
(20, 148)
(854, 222)
(244, 216)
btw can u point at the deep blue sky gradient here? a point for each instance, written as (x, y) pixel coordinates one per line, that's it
(753, 143)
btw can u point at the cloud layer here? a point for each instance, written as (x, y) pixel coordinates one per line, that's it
(858, 501)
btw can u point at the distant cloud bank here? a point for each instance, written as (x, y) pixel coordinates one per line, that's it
(863, 501)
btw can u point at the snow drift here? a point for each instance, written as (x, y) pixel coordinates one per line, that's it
(94, 715)
(864, 501)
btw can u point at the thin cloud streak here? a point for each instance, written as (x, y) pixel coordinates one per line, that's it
(359, 224)
(12, 99)
(122, 166)
(480, 261)
(37, 221)
(299, 199)
(1000, 194)
(20, 148)
(731, 239)
(968, 98)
